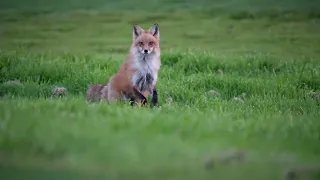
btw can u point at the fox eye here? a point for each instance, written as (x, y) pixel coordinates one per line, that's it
(140, 43)
(151, 43)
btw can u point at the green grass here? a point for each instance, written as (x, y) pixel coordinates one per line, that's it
(235, 75)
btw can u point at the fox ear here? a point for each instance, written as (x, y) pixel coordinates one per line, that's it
(137, 30)
(155, 30)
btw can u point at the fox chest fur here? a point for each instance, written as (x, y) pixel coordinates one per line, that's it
(145, 72)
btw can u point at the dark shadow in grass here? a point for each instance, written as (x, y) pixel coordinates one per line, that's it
(150, 19)
(211, 86)
(243, 15)
(5, 18)
(305, 83)
(40, 73)
(249, 65)
(48, 153)
(269, 66)
(208, 14)
(6, 62)
(114, 50)
(228, 87)
(287, 15)
(110, 17)
(29, 146)
(314, 15)
(170, 59)
(28, 14)
(61, 29)
(193, 36)
(21, 15)
(111, 20)
(303, 172)
(197, 64)
(30, 44)
(25, 90)
(117, 50)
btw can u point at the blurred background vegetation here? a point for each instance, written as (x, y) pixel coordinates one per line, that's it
(235, 74)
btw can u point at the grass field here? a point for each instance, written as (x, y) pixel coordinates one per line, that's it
(239, 91)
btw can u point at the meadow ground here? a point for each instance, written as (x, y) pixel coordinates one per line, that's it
(239, 91)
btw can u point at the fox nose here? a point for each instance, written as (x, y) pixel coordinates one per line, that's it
(145, 51)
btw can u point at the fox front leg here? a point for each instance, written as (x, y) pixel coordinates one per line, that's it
(139, 96)
(154, 99)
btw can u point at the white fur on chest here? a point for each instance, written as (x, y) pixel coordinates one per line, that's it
(146, 72)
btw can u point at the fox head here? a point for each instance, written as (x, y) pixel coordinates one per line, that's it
(146, 41)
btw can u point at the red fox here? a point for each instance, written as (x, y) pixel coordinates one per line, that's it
(137, 77)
